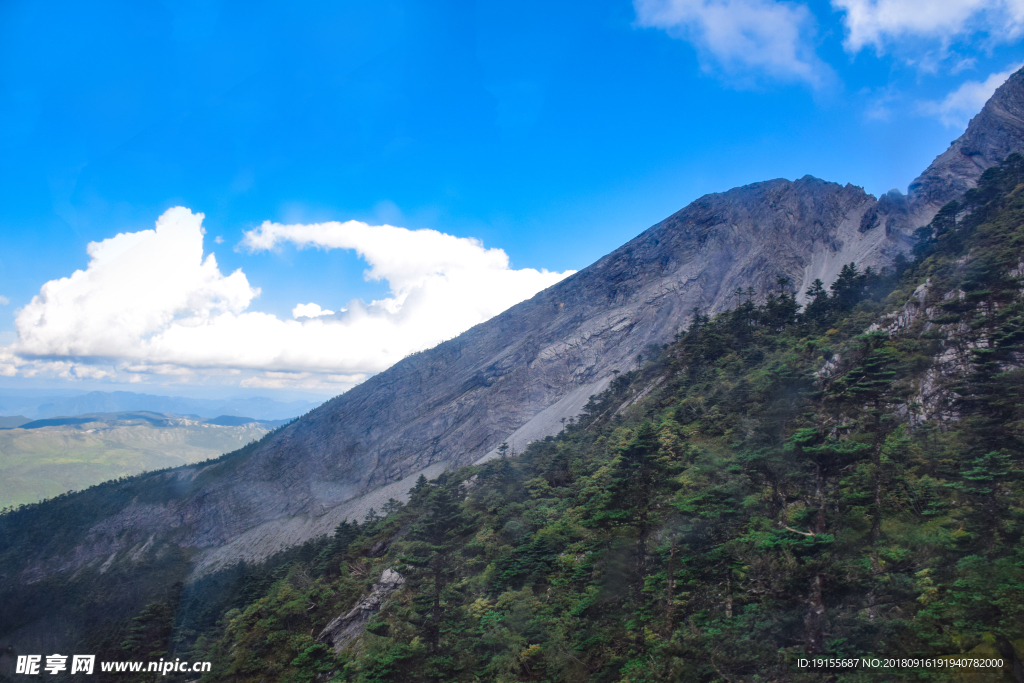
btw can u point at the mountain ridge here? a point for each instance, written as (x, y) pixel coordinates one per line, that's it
(775, 487)
(992, 135)
(513, 378)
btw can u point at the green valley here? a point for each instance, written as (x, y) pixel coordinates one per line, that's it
(51, 459)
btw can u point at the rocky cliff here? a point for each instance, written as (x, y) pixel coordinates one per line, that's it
(992, 135)
(516, 376)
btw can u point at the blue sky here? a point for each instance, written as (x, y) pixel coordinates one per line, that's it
(553, 132)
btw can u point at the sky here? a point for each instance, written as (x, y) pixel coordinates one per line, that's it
(261, 197)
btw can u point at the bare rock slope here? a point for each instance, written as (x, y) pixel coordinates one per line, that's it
(995, 133)
(513, 377)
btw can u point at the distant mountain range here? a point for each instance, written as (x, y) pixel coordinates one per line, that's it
(136, 417)
(34, 405)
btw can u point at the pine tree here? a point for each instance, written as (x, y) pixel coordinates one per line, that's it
(149, 636)
(642, 478)
(432, 555)
(848, 288)
(867, 394)
(818, 304)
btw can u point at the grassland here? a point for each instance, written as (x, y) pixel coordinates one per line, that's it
(47, 461)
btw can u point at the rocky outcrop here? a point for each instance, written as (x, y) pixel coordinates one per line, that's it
(995, 133)
(515, 376)
(935, 398)
(344, 629)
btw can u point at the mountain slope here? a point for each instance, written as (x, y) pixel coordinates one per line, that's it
(774, 486)
(512, 378)
(995, 133)
(453, 404)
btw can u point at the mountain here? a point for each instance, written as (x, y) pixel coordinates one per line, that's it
(774, 493)
(27, 401)
(44, 405)
(991, 136)
(125, 418)
(13, 421)
(515, 377)
(239, 421)
(118, 401)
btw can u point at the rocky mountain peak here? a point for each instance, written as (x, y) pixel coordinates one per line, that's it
(995, 133)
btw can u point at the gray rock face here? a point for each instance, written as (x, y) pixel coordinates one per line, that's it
(344, 629)
(995, 133)
(513, 377)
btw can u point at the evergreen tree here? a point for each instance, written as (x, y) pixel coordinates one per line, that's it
(641, 481)
(432, 554)
(848, 288)
(818, 304)
(149, 636)
(866, 393)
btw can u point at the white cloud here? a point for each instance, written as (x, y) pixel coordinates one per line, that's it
(957, 108)
(881, 23)
(309, 311)
(440, 285)
(137, 288)
(85, 371)
(151, 304)
(4, 300)
(742, 36)
(9, 363)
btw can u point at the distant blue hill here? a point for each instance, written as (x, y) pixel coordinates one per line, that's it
(134, 417)
(45, 407)
(57, 422)
(237, 421)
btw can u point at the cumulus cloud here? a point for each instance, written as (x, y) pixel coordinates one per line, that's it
(440, 284)
(880, 23)
(150, 303)
(742, 37)
(137, 288)
(957, 108)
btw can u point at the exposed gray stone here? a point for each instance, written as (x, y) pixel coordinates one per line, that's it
(344, 629)
(995, 133)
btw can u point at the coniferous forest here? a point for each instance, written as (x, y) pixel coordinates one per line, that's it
(842, 479)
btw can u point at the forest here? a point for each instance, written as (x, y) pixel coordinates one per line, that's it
(843, 479)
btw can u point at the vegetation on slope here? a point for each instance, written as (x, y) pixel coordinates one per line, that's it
(774, 485)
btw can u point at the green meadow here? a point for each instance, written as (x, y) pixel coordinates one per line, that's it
(42, 463)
